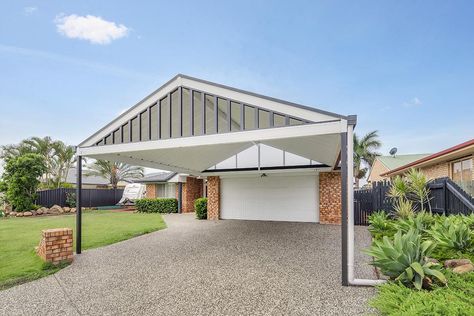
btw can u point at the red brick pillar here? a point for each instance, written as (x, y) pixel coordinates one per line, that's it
(150, 191)
(56, 245)
(213, 197)
(330, 206)
(192, 190)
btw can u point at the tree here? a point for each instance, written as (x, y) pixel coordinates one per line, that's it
(63, 159)
(21, 179)
(44, 147)
(365, 151)
(114, 171)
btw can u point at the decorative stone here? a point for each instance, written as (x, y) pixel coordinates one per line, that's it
(12, 213)
(73, 210)
(34, 213)
(56, 209)
(19, 214)
(432, 260)
(465, 268)
(453, 263)
(27, 213)
(39, 212)
(66, 209)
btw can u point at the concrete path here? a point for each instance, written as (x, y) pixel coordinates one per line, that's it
(204, 268)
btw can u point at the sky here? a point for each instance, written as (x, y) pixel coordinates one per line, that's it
(405, 68)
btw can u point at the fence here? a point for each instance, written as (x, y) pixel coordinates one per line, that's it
(446, 197)
(90, 197)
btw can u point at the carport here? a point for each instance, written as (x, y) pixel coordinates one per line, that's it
(204, 129)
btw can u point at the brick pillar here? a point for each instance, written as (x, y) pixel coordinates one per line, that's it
(213, 197)
(56, 245)
(192, 190)
(150, 191)
(330, 206)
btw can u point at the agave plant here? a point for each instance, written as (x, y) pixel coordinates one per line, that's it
(380, 225)
(405, 259)
(420, 223)
(452, 233)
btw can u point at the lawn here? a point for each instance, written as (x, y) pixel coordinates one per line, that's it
(19, 236)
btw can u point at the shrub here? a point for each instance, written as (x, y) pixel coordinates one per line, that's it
(380, 225)
(160, 205)
(71, 199)
(457, 299)
(420, 223)
(403, 208)
(20, 180)
(200, 205)
(453, 234)
(405, 259)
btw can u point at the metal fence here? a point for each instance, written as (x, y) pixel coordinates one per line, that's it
(90, 197)
(446, 197)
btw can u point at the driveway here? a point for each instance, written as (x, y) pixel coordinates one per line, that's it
(193, 267)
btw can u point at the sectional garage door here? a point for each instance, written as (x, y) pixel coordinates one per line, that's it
(272, 198)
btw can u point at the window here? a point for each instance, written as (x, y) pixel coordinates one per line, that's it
(117, 136)
(186, 108)
(135, 130)
(197, 113)
(222, 123)
(235, 119)
(210, 115)
(295, 121)
(154, 121)
(165, 118)
(278, 120)
(263, 119)
(175, 114)
(144, 126)
(165, 190)
(126, 133)
(462, 170)
(108, 140)
(249, 117)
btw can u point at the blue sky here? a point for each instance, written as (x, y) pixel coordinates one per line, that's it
(406, 68)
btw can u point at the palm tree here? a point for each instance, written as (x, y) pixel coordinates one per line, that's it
(63, 159)
(365, 153)
(114, 171)
(44, 147)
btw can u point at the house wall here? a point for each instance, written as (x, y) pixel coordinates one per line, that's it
(150, 191)
(330, 206)
(439, 170)
(213, 197)
(377, 169)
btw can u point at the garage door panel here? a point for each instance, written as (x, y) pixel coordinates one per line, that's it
(277, 198)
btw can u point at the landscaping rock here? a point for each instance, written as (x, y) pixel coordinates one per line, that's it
(8, 208)
(453, 263)
(66, 209)
(465, 268)
(73, 210)
(19, 214)
(27, 213)
(56, 209)
(34, 213)
(12, 213)
(39, 212)
(432, 260)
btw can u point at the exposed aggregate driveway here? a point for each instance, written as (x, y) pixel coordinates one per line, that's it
(226, 267)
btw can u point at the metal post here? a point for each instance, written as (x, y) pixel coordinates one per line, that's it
(79, 205)
(180, 196)
(344, 218)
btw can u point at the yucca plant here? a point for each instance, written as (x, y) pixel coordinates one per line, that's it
(418, 187)
(452, 233)
(405, 259)
(403, 209)
(380, 225)
(399, 188)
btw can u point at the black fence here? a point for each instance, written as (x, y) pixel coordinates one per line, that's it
(90, 197)
(446, 197)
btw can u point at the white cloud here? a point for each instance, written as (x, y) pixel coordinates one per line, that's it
(412, 103)
(29, 10)
(91, 28)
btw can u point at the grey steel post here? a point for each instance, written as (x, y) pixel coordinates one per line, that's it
(180, 196)
(344, 219)
(79, 205)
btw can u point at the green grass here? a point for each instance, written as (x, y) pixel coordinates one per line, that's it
(19, 236)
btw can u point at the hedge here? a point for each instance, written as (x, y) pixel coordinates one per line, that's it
(200, 205)
(161, 205)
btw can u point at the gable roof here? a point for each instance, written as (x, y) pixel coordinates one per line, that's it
(157, 177)
(305, 113)
(454, 152)
(392, 162)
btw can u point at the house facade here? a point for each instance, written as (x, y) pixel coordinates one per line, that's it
(384, 164)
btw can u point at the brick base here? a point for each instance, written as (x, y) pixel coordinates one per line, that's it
(56, 245)
(330, 206)
(192, 190)
(213, 198)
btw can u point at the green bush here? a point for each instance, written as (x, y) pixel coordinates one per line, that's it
(421, 223)
(160, 205)
(380, 225)
(456, 299)
(405, 259)
(21, 179)
(71, 199)
(200, 205)
(452, 233)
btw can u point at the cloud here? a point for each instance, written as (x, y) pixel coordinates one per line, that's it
(91, 28)
(29, 10)
(412, 103)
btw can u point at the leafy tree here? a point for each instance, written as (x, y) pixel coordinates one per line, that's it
(21, 179)
(114, 171)
(63, 159)
(365, 151)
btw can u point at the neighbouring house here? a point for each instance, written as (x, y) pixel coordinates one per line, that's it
(92, 182)
(384, 164)
(455, 163)
(183, 187)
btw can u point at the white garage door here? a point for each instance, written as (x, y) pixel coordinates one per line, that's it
(272, 198)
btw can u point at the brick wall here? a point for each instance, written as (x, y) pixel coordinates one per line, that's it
(436, 171)
(56, 245)
(213, 197)
(375, 173)
(192, 190)
(150, 191)
(330, 198)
